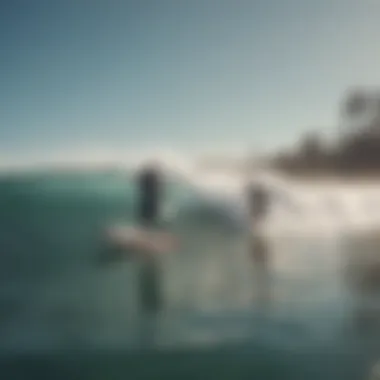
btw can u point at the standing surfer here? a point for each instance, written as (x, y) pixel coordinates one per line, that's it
(258, 202)
(149, 192)
(149, 195)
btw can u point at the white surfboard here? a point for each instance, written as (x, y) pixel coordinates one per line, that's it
(142, 240)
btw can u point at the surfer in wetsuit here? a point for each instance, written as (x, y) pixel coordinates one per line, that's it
(149, 196)
(258, 198)
(148, 203)
(258, 202)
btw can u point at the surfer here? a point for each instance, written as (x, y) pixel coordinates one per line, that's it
(149, 195)
(258, 202)
(258, 199)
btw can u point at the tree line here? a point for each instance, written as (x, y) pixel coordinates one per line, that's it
(356, 150)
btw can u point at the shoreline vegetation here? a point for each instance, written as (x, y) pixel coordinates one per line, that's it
(355, 153)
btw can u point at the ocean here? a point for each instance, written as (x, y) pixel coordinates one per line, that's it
(290, 305)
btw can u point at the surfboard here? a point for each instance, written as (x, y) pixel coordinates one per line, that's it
(142, 240)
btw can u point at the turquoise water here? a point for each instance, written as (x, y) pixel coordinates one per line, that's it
(70, 308)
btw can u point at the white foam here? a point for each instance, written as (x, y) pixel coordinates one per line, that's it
(297, 207)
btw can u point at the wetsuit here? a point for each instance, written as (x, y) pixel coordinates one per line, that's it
(149, 189)
(148, 201)
(258, 202)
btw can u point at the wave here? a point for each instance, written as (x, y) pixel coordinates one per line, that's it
(214, 196)
(296, 207)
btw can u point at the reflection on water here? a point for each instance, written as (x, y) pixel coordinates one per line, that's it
(363, 278)
(149, 285)
(149, 298)
(259, 251)
(193, 295)
(220, 290)
(217, 290)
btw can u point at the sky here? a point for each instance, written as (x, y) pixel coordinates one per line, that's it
(99, 78)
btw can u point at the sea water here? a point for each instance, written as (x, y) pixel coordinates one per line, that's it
(301, 303)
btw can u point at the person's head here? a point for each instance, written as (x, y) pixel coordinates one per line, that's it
(151, 166)
(254, 187)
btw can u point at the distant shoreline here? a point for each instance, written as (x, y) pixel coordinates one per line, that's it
(229, 169)
(332, 177)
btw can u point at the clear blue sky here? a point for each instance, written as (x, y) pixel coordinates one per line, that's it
(119, 74)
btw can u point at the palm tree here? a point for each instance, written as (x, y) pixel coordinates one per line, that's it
(360, 144)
